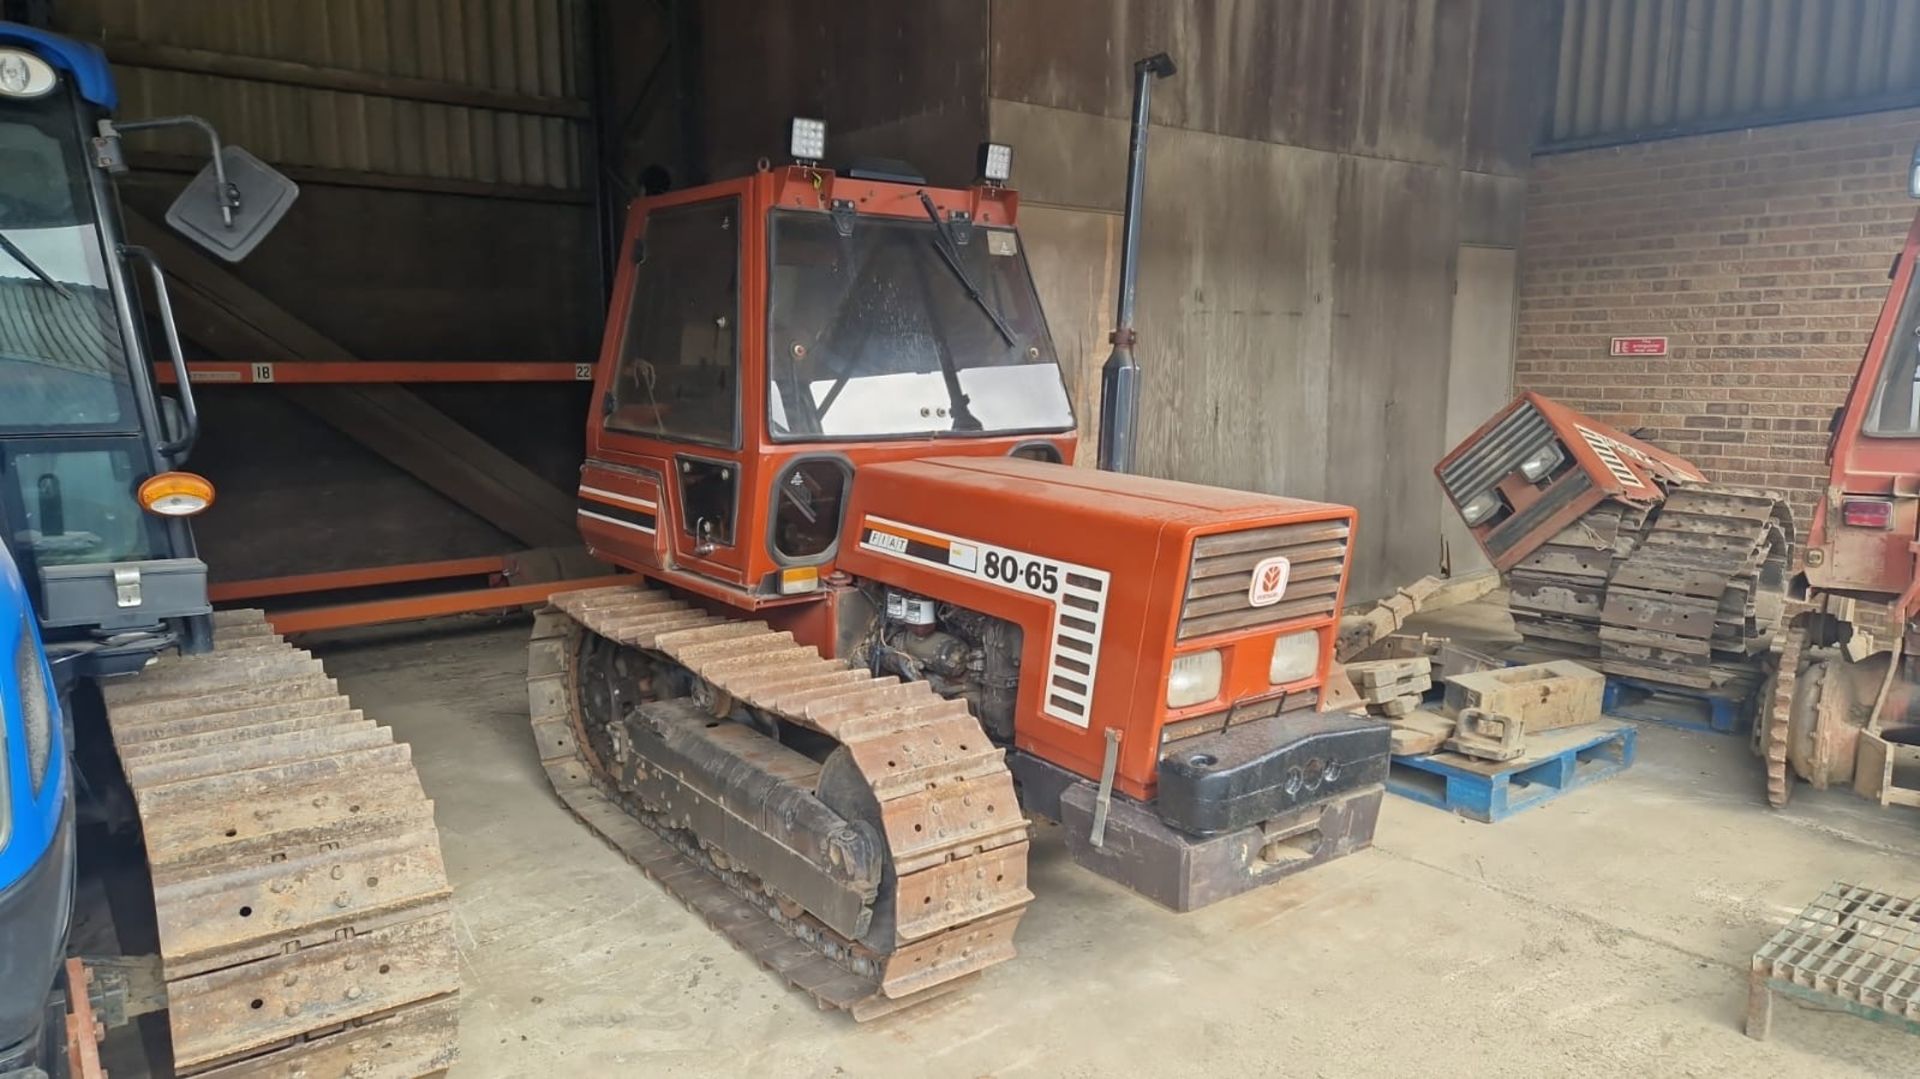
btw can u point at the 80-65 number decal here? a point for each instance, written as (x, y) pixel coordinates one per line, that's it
(995, 565)
(1037, 574)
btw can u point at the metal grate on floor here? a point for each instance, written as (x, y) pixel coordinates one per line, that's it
(1856, 945)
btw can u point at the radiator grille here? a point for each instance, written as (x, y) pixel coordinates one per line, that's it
(1498, 454)
(1222, 575)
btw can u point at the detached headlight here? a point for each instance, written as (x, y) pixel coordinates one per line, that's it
(1295, 656)
(1194, 679)
(1481, 507)
(1542, 462)
(36, 703)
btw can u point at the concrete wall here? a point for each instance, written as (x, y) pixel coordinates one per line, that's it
(1761, 255)
(1314, 170)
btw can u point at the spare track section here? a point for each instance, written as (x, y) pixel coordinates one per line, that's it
(301, 901)
(1689, 594)
(945, 887)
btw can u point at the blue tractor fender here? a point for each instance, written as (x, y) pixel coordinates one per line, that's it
(37, 782)
(36, 824)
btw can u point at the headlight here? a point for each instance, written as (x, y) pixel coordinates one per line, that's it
(1194, 679)
(36, 703)
(1295, 656)
(1481, 507)
(1542, 462)
(23, 74)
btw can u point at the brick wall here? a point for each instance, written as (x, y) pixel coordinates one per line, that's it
(1761, 254)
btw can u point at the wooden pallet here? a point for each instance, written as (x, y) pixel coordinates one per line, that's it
(1556, 762)
(1670, 706)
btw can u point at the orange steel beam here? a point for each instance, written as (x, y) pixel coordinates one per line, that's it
(412, 608)
(84, 1030)
(298, 583)
(308, 372)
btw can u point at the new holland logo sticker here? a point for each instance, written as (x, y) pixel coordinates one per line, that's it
(1269, 582)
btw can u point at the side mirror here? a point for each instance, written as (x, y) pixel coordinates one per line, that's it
(258, 194)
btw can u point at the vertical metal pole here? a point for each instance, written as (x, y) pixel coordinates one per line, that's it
(1120, 375)
(1104, 799)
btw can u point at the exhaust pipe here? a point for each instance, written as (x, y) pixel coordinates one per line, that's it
(1120, 375)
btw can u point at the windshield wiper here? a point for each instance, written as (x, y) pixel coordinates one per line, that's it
(951, 256)
(33, 267)
(959, 405)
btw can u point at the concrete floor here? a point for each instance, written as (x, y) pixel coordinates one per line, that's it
(1607, 932)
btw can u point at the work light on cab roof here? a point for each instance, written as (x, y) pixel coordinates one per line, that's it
(996, 162)
(808, 143)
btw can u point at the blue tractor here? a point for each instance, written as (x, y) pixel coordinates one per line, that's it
(36, 829)
(256, 788)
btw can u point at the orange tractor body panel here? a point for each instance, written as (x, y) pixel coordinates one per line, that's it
(1609, 463)
(1119, 547)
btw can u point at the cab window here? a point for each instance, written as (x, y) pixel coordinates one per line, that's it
(678, 375)
(1896, 409)
(62, 364)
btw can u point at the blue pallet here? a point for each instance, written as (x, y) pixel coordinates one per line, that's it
(1559, 761)
(1630, 698)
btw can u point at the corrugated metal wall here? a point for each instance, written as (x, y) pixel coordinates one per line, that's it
(444, 154)
(481, 91)
(1634, 68)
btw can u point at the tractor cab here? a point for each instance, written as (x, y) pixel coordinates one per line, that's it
(93, 506)
(1865, 538)
(771, 334)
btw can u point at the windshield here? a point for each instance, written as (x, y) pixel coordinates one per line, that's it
(877, 333)
(61, 358)
(1895, 408)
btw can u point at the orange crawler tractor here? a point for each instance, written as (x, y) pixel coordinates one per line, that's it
(882, 612)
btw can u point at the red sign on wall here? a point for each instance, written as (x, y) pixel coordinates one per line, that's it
(1639, 346)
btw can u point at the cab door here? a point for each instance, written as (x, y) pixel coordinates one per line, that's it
(669, 429)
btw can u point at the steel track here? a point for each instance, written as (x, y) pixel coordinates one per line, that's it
(1689, 595)
(955, 839)
(301, 900)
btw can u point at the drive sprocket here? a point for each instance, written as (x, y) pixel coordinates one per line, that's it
(1773, 728)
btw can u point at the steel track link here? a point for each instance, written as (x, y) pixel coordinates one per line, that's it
(1688, 596)
(299, 892)
(955, 838)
